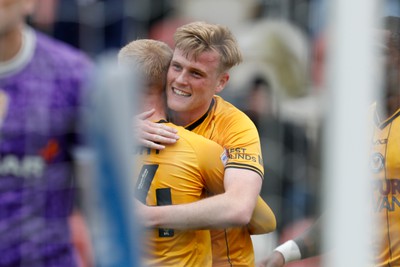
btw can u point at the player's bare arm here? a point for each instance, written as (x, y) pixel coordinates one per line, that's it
(232, 208)
(310, 242)
(151, 134)
(307, 245)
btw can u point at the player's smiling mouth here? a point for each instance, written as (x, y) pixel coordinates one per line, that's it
(180, 93)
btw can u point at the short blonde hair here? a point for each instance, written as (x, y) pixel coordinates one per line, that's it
(198, 37)
(150, 58)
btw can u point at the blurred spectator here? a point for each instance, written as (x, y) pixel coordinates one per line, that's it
(276, 72)
(286, 152)
(98, 25)
(91, 25)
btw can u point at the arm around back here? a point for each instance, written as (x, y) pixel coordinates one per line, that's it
(263, 220)
(232, 208)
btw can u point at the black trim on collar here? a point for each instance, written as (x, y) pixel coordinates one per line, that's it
(383, 125)
(199, 121)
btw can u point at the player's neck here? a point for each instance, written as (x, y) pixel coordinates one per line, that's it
(10, 44)
(180, 120)
(158, 103)
(185, 118)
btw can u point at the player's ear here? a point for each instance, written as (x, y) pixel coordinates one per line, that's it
(223, 80)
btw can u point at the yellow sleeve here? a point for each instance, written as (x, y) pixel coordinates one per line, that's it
(263, 220)
(233, 130)
(211, 158)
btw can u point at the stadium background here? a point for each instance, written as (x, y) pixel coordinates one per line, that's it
(283, 44)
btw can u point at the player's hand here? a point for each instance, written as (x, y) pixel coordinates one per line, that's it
(153, 135)
(273, 260)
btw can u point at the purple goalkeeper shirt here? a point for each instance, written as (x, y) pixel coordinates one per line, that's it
(40, 99)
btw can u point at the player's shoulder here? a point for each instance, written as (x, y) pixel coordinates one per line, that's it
(229, 113)
(223, 107)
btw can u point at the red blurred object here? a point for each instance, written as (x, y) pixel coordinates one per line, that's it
(81, 240)
(165, 29)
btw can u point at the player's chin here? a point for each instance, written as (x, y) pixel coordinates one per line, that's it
(177, 104)
(177, 107)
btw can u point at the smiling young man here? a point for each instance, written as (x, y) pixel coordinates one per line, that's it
(203, 55)
(181, 173)
(184, 172)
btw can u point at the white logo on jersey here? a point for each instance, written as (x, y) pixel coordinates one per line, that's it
(224, 157)
(377, 162)
(28, 166)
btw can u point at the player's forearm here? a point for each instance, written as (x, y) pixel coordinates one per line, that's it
(219, 211)
(232, 208)
(310, 241)
(304, 246)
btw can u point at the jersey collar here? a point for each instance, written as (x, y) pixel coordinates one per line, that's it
(199, 121)
(24, 55)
